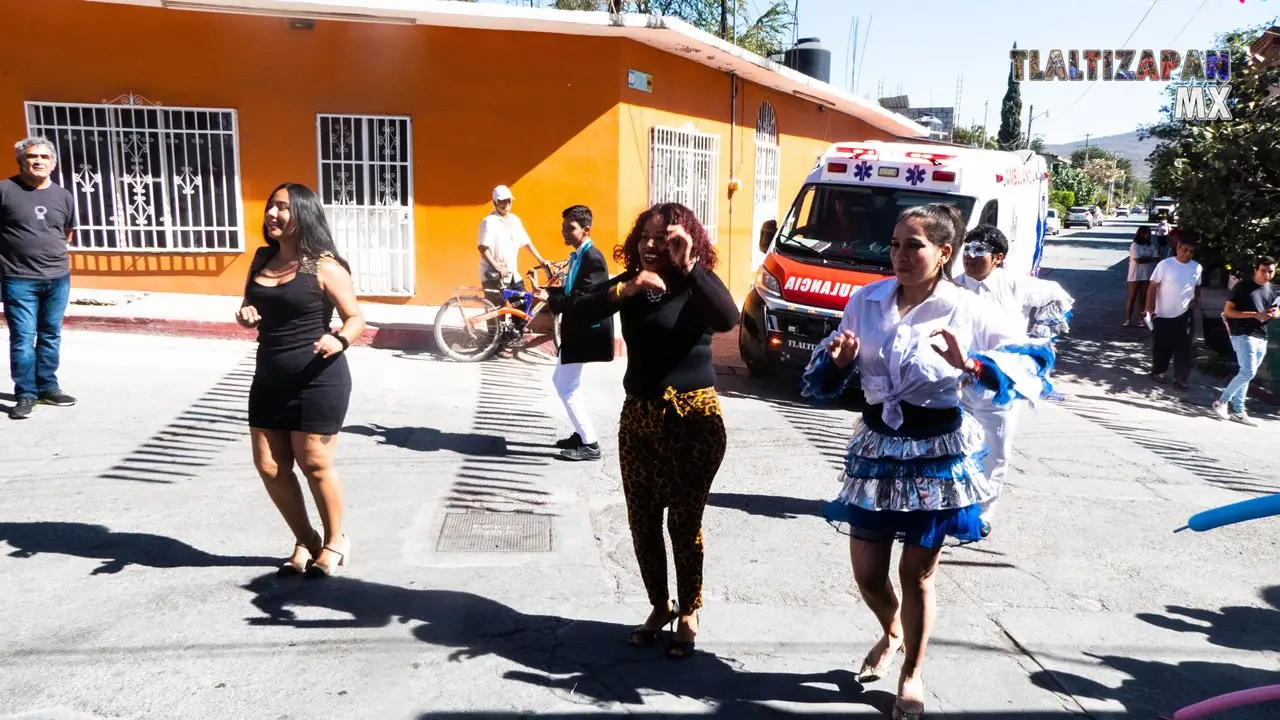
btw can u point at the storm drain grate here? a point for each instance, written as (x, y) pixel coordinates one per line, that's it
(495, 532)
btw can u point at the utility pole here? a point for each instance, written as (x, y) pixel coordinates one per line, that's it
(724, 19)
(1086, 147)
(985, 103)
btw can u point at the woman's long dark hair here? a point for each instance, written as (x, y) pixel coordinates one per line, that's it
(628, 253)
(307, 214)
(1142, 236)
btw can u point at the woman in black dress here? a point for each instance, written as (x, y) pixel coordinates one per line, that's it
(671, 436)
(301, 385)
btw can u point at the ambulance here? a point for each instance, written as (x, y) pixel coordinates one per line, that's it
(835, 238)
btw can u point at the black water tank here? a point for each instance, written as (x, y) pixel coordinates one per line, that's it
(810, 58)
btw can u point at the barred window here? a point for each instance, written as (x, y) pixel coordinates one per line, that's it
(684, 165)
(147, 178)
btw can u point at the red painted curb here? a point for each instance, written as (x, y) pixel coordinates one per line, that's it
(392, 336)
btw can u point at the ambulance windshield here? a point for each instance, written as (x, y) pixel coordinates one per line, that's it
(852, 225)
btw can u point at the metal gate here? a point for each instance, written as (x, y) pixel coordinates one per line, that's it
(684, 167)
(768, 177)
(366, 185)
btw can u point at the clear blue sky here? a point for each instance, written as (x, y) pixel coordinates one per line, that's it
(923, 46)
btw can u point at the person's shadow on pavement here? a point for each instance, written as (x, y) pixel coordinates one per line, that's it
(587, 657)
(116, 549)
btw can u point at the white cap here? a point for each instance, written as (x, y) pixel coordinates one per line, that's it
(502, 192)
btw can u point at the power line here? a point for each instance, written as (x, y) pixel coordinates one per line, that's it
(1123, 44)
(1188, 23)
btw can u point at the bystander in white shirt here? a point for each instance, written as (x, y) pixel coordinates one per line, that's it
(1177, 283)
(504, 235)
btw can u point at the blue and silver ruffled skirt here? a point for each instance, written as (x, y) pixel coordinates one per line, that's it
(917, 490)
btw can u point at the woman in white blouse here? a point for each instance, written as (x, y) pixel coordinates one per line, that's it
(1143, 257)
(913, 469)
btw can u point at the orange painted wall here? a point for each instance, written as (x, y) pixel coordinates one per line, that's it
(549, 115)
(488, 108)
(685, 92)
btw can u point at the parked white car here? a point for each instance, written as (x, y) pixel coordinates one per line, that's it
(1052, 223)
(1079, 215)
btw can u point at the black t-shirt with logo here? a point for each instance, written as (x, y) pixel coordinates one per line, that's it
(33, 231)
(1249, 296)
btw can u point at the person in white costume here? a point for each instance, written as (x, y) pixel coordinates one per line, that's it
(912, 468)
(1039, 306)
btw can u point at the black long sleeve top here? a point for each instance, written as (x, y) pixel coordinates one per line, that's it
(669, 337)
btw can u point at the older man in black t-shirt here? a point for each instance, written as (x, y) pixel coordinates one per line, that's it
(37, 218)
(1251, 307)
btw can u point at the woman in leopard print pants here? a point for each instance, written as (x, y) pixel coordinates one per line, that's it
(671, 437)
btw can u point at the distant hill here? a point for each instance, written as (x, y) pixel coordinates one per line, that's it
(1126, 145)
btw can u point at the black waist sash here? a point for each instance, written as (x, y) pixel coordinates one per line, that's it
(917, 422)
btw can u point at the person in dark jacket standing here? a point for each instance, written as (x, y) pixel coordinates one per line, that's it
(580, 342)
(671, 435)
(37, 219)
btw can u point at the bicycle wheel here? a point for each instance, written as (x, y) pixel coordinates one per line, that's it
(464, 341)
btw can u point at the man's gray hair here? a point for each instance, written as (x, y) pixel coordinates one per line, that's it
(35, 141)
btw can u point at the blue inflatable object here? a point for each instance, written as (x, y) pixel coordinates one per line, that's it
(1235, 512)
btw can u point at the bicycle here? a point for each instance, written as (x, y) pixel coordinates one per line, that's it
(483, 327)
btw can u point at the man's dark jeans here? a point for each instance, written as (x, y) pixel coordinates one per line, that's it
(33, 310)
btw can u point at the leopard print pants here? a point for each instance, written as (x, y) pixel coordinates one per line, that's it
(670, 451)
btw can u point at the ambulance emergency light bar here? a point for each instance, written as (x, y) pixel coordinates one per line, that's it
(888, 171)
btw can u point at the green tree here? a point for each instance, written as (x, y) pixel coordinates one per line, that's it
(1074, 180)
(1037, 144)
(1010, 135)
(1225, 174)
(764, 33)
(974, 136)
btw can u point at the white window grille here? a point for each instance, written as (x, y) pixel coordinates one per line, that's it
(366, 185)
(147, 178)
(768, 167)
(684, 167)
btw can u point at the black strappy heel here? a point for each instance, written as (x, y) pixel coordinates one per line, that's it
(681, 649)
(644, 637)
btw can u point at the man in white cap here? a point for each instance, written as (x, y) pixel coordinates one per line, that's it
(501, 237)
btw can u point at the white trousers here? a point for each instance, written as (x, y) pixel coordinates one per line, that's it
(998, 425)
(566, 379)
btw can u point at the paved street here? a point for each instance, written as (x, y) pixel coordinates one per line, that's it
(137, 549)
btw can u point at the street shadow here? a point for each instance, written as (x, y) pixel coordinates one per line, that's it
(589, 659)
(1236, 627)
(749, 710)
(770, 506)
(425, 439)
(1156, 689)
(508, 408)
(216, 420)
(117, 550)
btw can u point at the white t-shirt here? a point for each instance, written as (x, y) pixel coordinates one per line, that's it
(1178, 283)
(504, 237)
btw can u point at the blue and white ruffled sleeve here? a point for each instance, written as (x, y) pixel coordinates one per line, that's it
(1047, 305)
(823, 379)
(1014, 366)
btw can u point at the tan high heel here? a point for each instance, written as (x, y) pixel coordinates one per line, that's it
(290, 568)
(343, 551)
(871, 673)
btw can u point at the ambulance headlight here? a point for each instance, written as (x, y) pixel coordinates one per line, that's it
(767, 283)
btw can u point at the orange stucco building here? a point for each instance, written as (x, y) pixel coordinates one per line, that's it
(174, 125)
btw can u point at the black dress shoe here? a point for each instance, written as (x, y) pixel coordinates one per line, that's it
(573, 441)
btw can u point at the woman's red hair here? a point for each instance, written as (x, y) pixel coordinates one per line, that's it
(628, 253)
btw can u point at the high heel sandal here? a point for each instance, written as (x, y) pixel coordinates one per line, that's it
(682, 649)
(903, 710)
(871, 673)
(290, 568)
(343, 551)
(644, 637)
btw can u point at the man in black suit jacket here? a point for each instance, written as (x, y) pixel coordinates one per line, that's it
(580, 343)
